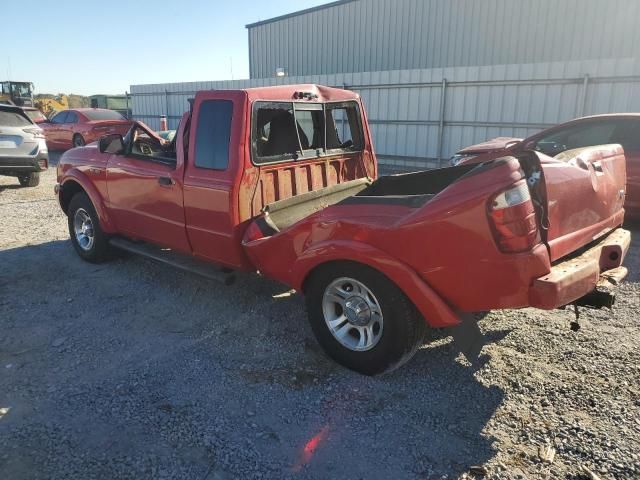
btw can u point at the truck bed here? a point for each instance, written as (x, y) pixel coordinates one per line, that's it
(409, 189)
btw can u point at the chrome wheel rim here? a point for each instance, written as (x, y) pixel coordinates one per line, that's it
(352, 314)
(83, 229)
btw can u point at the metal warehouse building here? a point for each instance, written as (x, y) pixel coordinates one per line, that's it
(437, 75)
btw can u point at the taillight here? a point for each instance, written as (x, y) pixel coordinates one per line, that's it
(253, 232)
(36, 132)
(513, 217)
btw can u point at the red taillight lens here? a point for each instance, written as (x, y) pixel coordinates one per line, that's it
(513, 217)
(253, 233)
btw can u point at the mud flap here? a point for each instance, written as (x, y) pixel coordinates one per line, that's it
(467, 337)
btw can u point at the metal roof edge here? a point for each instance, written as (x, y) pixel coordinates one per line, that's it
(298, 13)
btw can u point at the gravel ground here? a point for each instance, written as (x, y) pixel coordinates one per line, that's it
(133, 370)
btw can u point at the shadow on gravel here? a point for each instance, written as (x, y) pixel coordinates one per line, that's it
(633, 256)
(151, 355)
(10, 187)
(451, 409)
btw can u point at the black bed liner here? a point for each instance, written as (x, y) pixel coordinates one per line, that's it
(411, 190)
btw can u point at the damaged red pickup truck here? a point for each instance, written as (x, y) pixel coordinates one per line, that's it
(282, 180)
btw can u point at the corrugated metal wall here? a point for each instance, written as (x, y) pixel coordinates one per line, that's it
(381, 35)
(410, 126)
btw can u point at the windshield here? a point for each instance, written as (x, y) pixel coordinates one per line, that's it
(98, 114)
(22, 89)
(35, 115)
(12, 118)
(288, 130)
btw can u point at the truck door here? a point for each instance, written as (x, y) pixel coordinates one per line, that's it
(52, 129)
(212, 176)
(145, 190)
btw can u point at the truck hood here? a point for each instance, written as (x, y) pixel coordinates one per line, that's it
(81, 157)
(498, 143)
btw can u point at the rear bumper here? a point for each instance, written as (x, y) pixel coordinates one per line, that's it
(20, 165)
(576, 277)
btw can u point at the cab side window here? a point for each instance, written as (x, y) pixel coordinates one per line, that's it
(213, 134)
(144, 146)
(60, 117)
(72, 117)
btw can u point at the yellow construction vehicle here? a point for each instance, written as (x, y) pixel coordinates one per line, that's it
(16, 93)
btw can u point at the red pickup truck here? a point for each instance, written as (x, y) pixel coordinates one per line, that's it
(283, 180)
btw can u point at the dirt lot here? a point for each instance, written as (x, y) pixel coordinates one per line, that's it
(133, 370)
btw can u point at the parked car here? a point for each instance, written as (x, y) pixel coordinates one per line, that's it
(282, 180)
(35, 115)
(80, 126)
(23, 150)
(622, 128)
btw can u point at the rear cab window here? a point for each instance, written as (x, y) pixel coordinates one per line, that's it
(284, 131)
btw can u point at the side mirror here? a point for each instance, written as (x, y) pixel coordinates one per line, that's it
(112, 143)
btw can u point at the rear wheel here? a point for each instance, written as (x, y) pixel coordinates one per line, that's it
(78, 140)
(362, 319)
(88, 239)
(30, 180)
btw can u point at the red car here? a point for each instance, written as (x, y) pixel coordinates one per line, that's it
(80, 126)
(282, 180)
(622, 128)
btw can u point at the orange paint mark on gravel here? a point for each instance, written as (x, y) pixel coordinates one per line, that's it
(310, 448)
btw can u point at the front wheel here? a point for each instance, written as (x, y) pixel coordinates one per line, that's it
(88, 239)
(78, 140)
(362, 319)
(30, 180)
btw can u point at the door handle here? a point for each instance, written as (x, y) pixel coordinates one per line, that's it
(166, 181)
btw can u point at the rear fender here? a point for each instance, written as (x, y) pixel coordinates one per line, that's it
(434, 310)
(79, 178)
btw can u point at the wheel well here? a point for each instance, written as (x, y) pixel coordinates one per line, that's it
(331, 264)
(67, 191)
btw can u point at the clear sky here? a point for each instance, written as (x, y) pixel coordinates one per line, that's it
(103, 46)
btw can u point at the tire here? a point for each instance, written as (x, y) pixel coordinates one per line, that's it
(396, 338)
(30, 180)
(77, 141)
(88, 239)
